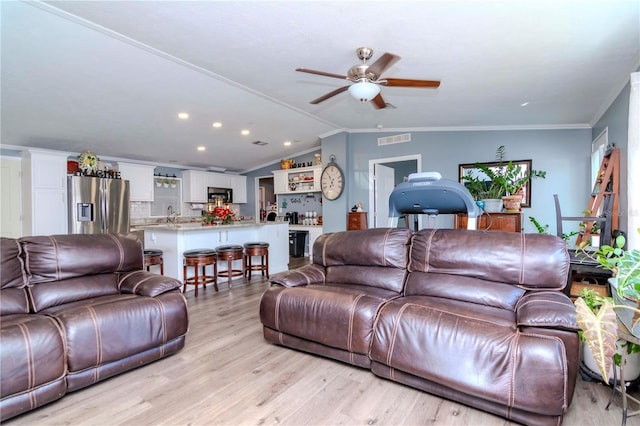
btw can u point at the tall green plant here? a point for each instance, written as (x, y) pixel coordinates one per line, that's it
(508, 178)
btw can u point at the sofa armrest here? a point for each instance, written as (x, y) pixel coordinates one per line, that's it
(546, 309)
(308, 274)
(145, 283)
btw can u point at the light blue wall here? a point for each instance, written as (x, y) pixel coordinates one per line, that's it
(616, 120)
(564, 154)
(334, 213)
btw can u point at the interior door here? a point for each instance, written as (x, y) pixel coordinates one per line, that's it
(384, 182)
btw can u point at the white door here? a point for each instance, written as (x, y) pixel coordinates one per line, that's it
(10, 208)
(384, 182)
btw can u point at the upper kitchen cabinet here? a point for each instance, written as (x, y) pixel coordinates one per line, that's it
(194, 186)
(299, 180)
(196, 183)
(219, 180)
(140, 179)
(44, 192)
(239, 186)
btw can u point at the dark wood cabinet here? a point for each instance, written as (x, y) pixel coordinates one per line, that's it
(356, 220)
(510, 222)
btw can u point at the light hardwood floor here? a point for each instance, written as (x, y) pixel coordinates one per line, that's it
(227, 374)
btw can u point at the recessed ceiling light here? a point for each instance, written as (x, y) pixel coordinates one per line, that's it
(287, 143)
(245, 132)
(183, 115)
(524, 104)
(217, 124)
(202, 148)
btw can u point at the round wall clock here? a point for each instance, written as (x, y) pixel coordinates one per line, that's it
(332, 180)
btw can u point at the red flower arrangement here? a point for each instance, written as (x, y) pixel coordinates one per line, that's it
(223, 214)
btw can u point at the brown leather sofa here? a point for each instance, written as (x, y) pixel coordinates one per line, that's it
(476, 317)
(77, 309)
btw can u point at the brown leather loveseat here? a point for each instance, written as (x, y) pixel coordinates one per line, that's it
(477, 317)
(77, 309)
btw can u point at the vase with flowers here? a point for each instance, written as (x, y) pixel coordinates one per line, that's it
(223, 215)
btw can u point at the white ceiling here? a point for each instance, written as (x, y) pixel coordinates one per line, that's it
(111, 76)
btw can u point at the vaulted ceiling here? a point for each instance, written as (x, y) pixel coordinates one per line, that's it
(112, 76)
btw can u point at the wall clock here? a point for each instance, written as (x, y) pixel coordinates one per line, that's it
(332, 180)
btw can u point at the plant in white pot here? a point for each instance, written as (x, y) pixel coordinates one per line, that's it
(601, 326)
(507, 179)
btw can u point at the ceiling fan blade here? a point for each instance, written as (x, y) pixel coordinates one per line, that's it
(383, 63)
(378, 102)
(326, 74)
(329, 95)
(404, 82)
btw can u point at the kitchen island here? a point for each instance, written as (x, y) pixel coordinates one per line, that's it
(174, 239)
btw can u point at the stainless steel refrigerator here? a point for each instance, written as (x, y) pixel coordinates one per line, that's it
(98, 205)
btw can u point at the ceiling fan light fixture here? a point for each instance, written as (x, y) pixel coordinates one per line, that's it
(364, 91)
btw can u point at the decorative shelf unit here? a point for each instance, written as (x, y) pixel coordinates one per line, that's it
(297, 181)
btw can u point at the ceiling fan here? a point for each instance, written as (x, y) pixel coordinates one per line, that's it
(366, 79)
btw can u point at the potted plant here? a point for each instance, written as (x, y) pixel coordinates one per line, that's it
(484, 191)
(602, 346)
(509, 179)
(600, 328)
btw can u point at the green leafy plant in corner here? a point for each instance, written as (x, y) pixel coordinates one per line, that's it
(597, 320)
(624, 265)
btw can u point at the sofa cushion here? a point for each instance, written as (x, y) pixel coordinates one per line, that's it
(12, 279)
(473, 349)
(465, 289)
(59, 257)
(109, 328)
(67, 268)
(530, 261)
(373, 257)
(46, 295)
(339, 316)
(32, 363)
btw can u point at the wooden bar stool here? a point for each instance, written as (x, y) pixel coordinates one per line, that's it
(153, 257)
(230, 253)
(200, 258)
(256, 248)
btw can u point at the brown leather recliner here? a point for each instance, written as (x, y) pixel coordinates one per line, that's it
(77, 309)
(481, 319)
(329, 307)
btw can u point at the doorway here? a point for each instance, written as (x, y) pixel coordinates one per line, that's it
(384, 175)
(265, 197)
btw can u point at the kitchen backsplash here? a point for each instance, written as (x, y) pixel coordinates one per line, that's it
(300, 203)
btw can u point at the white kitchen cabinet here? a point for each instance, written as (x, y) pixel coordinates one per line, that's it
(219, 180)
(140, 179)
(44, 192)
(194, 186)
(239, 186)
(297, 181)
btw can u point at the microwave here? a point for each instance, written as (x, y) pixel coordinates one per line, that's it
(225, 194)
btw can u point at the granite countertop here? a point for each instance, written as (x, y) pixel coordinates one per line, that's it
(198, 226)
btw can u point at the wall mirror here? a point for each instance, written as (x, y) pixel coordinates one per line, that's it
(525, 167)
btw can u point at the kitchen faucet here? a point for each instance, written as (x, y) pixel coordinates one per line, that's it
(171, 216)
